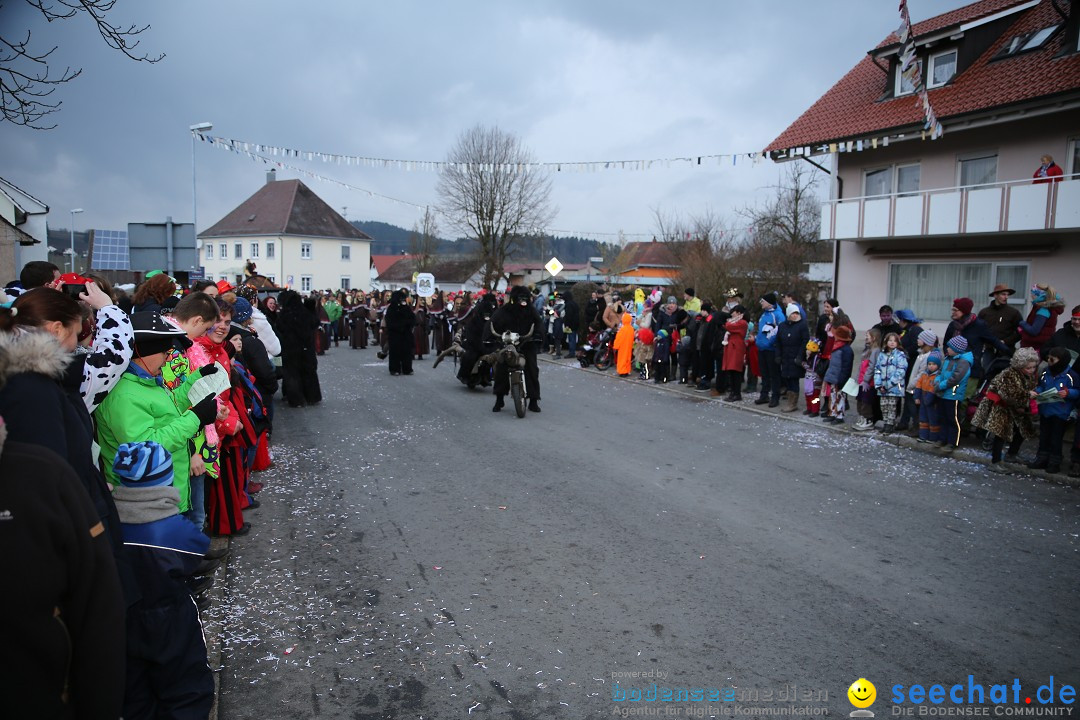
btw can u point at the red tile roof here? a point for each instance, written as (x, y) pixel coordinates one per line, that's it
(852, 108)
(285, 207)
(383, 263)
(646, 254)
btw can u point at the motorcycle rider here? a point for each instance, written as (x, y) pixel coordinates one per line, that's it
(517, 315)
(474, 326)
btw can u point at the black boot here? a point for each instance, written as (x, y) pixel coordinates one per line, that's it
(1053, 465)
(498, 403)
(534, 406)
(1040, 462)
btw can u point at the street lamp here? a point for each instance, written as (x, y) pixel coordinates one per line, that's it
(198, 128)
(76, 210)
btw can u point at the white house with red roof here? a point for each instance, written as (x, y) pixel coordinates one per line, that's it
(918, 221)
(294, 238)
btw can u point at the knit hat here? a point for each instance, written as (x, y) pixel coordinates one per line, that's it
(928, 337)
(792, 309)
(842, 333)
(934, 358)
(769, 297)
(671, 300)
(689, 291)
(964, 305)
(152, 334)
(241, 311)
(143, 464)
(959, 344)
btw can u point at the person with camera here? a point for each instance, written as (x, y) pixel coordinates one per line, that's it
(518, 316)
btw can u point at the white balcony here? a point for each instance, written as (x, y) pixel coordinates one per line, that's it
(1005, 207)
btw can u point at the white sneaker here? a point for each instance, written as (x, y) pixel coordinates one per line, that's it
(864, 424)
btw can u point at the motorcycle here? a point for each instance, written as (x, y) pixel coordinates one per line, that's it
(605, 350)
(511, 356)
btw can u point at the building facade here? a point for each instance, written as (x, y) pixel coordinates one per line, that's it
(918, 222)
(292, 237)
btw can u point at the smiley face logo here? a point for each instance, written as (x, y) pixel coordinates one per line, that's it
(862, 693)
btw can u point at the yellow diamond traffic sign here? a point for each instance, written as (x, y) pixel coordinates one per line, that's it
(554, 266)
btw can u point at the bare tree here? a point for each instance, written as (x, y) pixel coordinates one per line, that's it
(26, 79)
(487, 191)
(784, 234)
(704, 247)
(424, 241)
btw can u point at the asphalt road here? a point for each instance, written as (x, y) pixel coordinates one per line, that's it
(418, 556)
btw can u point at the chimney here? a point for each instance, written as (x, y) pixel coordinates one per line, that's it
(271, 176)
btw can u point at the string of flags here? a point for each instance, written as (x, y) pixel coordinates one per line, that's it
(268, 152)
(911, 71)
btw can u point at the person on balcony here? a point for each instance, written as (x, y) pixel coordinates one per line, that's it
(1048, 171)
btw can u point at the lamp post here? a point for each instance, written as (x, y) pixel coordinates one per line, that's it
(198, 128)
(76, 210)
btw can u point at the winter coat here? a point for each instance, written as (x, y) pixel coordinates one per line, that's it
(164, 546)
(1013, 409)
(1069, 339)
(571, 315)
(890, 372)
(735, 350)
(1003, 321)
(1063, 380)
(257, 361)
(841, 362)
(260, 325)
(662, 348)
(955, 371)
(977, 335)
(399, 319)
(917, 369)
(1039, 326)
(624, 345)
(768, 326)
(62, 610)
(791, 341)
(909, 343)
(142, 408)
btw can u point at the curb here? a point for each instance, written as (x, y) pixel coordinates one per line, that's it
(966, 454)
(214, 624)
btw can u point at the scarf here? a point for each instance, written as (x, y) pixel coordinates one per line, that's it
(138, 506)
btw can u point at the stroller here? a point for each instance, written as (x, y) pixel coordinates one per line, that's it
(586, 354)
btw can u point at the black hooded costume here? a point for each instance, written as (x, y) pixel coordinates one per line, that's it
(474, 325)
(400, 321)
(517, 315)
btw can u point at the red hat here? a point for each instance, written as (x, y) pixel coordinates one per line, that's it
(964, 305)
(74, 279)
(223, 287)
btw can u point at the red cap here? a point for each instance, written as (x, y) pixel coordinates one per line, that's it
(223, 286)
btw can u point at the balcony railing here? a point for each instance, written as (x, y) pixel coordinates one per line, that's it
(1004, 207)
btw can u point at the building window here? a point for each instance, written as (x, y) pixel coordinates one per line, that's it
(209, 251)
(254, 249)
(238, 251)
(224, 277)
(877, 182)
(269, 249)
(942, 68)
(1072, 160)
(272, 278)
(903, 85)
(346, 252)
(907, 179)
(1030, 41)
(346, 283)
(977, 170)
(223, 251)
(305, 283)
(305, 251)
(898, 179)
(930, 288)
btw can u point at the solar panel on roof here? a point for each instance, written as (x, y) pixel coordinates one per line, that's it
(110, 250)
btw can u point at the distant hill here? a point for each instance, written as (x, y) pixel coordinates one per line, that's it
(393, 240)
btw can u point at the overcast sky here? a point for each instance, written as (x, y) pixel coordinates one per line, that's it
(575, 80)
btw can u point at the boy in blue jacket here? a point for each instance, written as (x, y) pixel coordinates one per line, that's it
(167, 674)
(951, 387)
(1054, 413)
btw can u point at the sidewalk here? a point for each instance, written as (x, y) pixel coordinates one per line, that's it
(970, 449)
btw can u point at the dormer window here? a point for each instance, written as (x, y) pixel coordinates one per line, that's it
(942, 68)
(1030, 41)
(903, 85)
